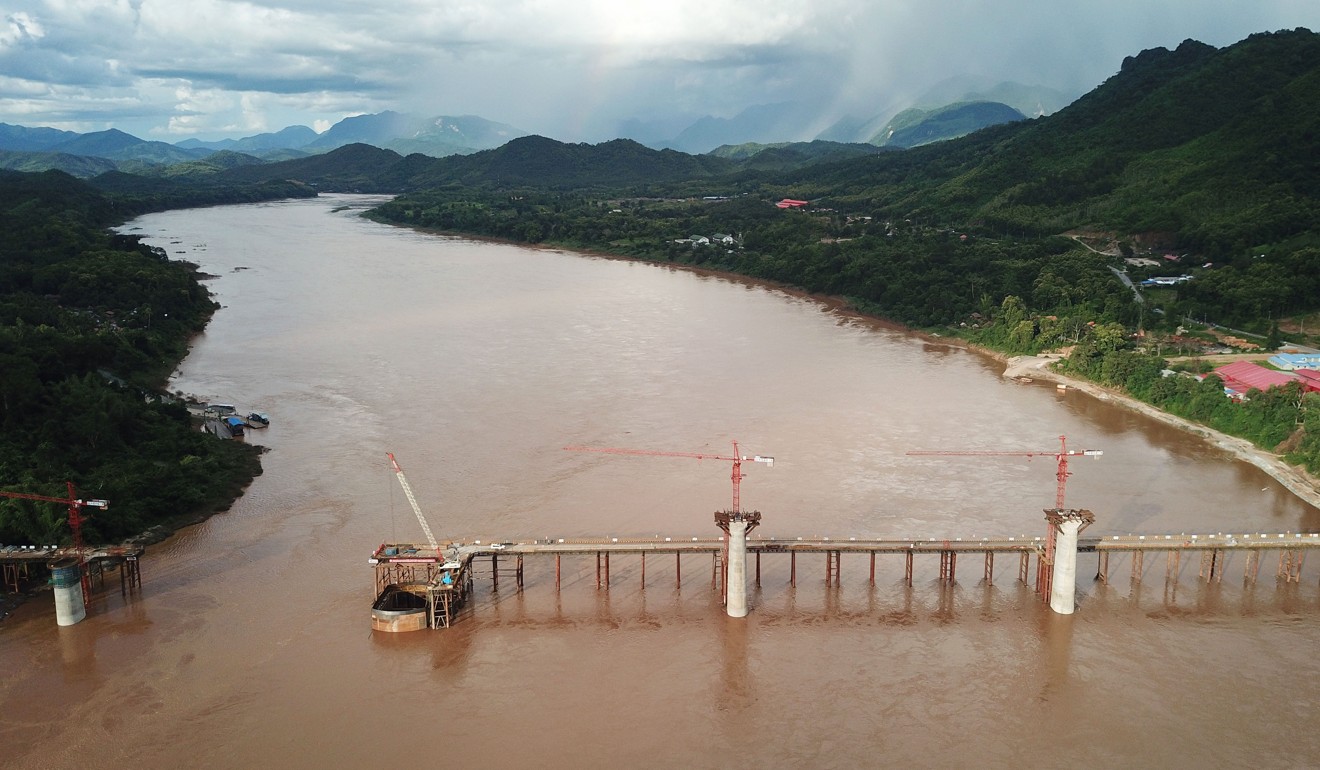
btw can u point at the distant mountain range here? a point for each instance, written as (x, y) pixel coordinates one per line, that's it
(761, 123)
(1030, 101)
(764, 127)
(915, 127)
(85, 155)
(291, 138)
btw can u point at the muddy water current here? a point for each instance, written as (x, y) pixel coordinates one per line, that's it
(475, 363)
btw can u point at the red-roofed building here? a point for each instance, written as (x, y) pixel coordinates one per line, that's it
(1312, 378)
(1241, 376)
(789, 203)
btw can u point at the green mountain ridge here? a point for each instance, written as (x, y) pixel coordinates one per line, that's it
(1211, 149)
(792, 154)
(915, 127)
(81, 166)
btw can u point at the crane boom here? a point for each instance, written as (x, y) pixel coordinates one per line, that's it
(736, 459)
(1061, 483)
(75, 509)
(1062, 455)
(619, 451)
(412, 500)
(75, 526)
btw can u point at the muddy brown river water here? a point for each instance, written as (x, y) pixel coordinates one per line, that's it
(475, 363)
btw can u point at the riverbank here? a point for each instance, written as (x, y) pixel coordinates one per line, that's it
(1295, 479)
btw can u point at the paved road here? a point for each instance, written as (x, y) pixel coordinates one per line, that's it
(1123, 276)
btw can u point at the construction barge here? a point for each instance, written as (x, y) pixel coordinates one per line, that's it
(419, 587)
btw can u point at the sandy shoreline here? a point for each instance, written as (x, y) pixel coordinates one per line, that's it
(1293, 478)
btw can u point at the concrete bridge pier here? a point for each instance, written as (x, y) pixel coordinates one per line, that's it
(70, 606)
(736, 525)
(1067, 524)
(735, 602)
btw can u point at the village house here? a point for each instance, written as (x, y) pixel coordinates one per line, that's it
(1293, 361)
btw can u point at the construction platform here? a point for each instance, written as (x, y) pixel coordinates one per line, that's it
(17, 566)
(422, 587)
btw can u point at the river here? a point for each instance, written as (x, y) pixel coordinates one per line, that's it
(475, 363)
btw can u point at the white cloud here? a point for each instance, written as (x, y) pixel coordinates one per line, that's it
(20, 26)
(566, 68)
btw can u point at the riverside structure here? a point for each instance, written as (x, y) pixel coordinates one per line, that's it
(421, 587)
(75, 572)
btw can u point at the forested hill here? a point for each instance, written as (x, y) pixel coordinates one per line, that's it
(90, 324)
(535, 161)
(1217, 149)
(1202, 149)
(531, 161)
(1206, 152)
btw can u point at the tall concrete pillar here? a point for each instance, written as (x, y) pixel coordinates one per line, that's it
(66, 577)
(735, 601)
(1063, 594)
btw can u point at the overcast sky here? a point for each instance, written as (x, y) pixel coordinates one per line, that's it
(569, 69)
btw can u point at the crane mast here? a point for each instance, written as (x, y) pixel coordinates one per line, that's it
(412, 500)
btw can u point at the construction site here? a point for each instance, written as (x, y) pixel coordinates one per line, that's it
(73, 572)
(427, 585)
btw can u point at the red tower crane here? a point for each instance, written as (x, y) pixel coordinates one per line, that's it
(736, 476)
(75, 523)
(1062, 455)
(736, 459)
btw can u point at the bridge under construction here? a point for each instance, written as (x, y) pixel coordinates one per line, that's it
(420, 586)
(74, 573)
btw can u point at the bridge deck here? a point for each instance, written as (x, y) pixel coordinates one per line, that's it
(443, 576)
(15, 564)
(407, 553)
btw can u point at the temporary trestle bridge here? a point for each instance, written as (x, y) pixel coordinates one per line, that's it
(418, 586)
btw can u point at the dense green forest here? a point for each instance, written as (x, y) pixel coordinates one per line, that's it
(906, 272)
(90, 325)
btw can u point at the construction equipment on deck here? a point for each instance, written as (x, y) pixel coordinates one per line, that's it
(412, 500)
